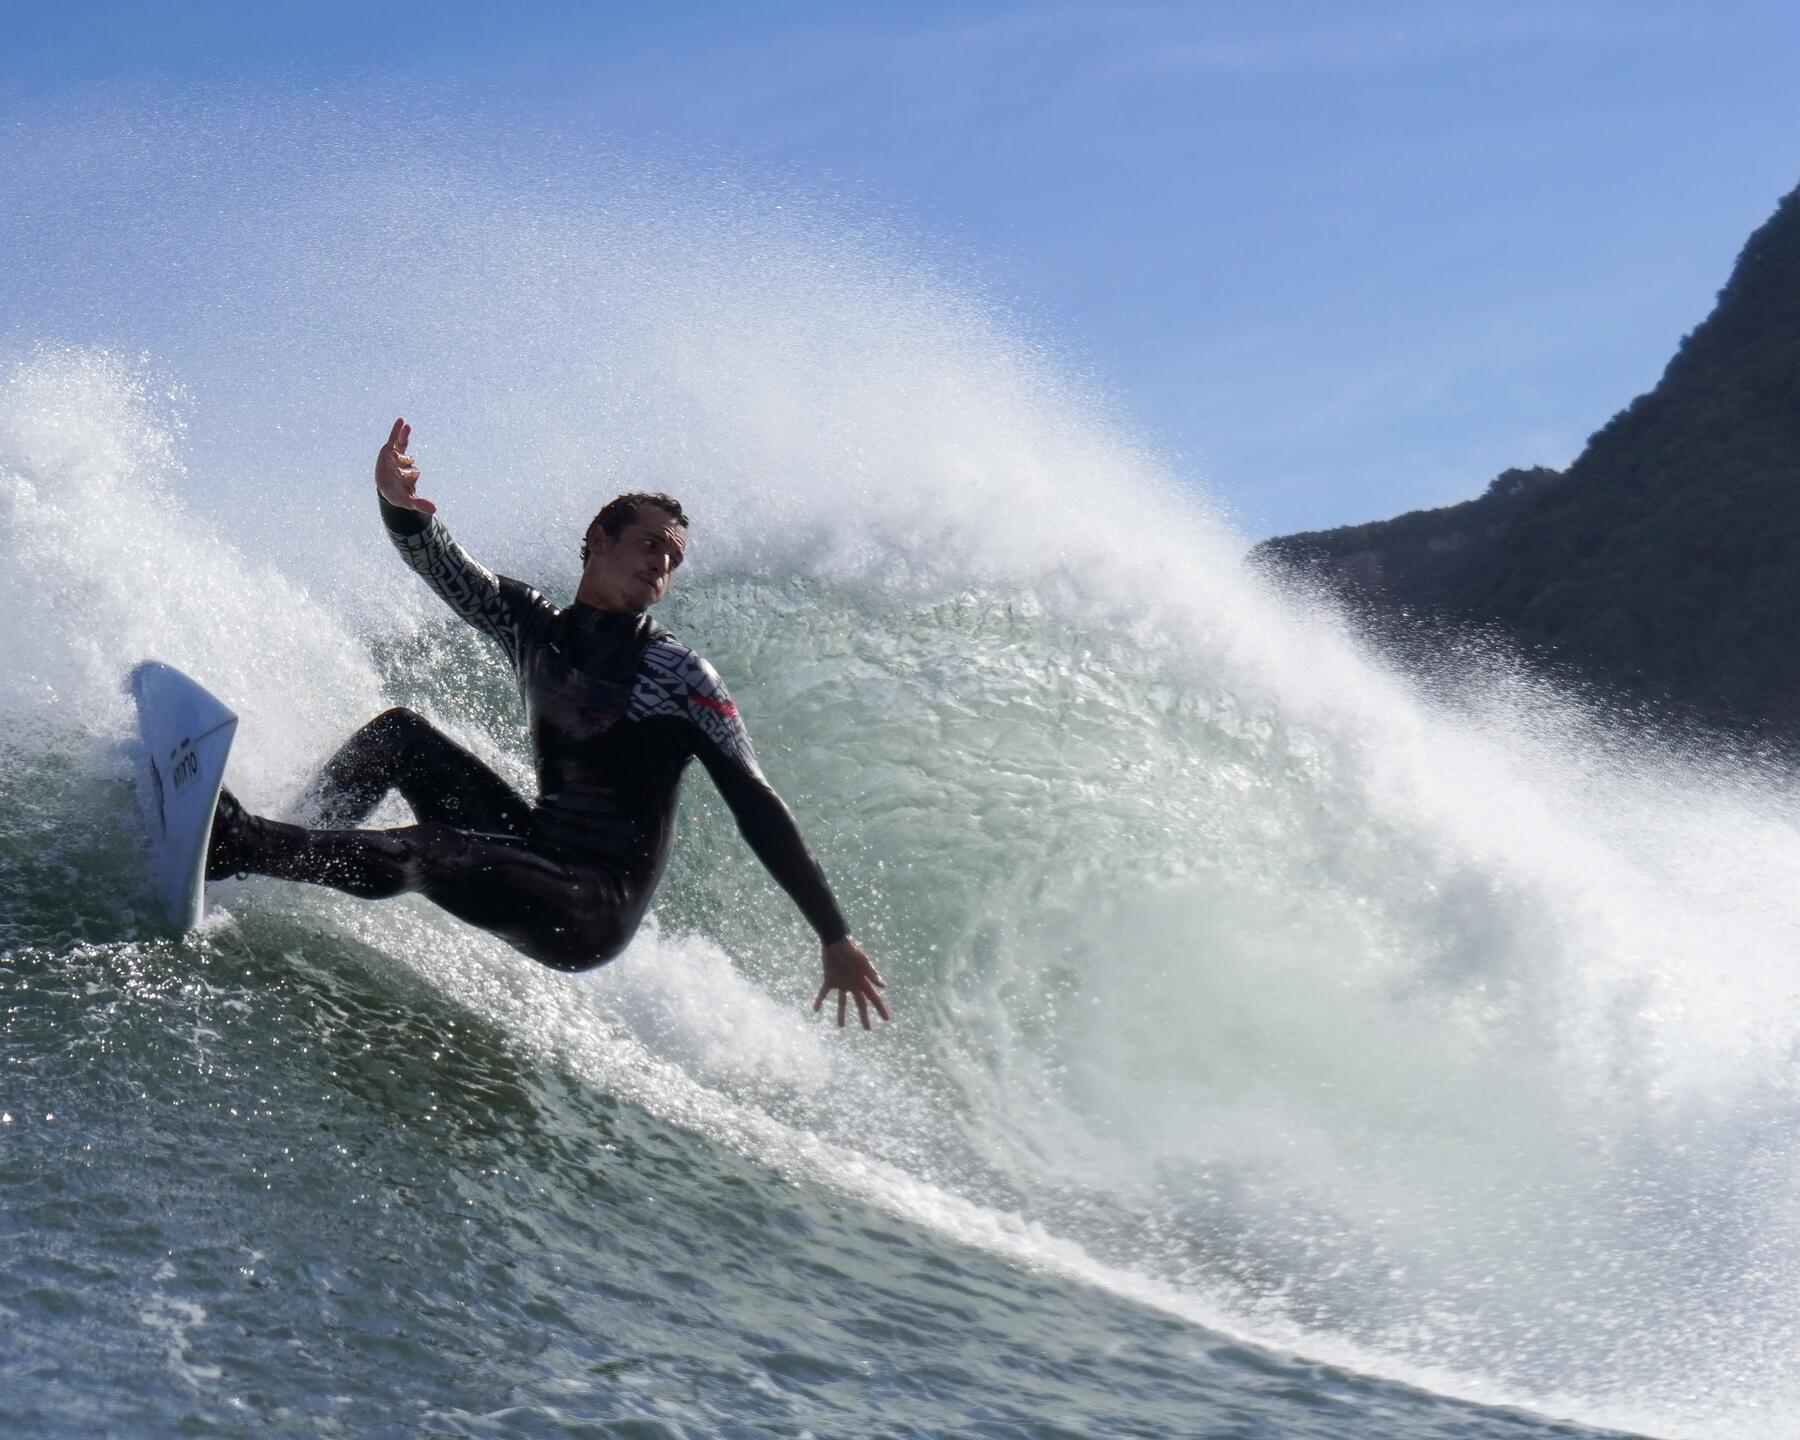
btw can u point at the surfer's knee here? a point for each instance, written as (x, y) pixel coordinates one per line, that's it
(402, 736)
(397, 723)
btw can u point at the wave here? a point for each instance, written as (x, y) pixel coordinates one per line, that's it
(1445, 1035)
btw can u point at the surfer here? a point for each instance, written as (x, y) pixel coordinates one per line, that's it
(616, 708)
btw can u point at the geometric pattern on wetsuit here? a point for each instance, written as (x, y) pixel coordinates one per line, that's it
(466, 585)
(673, 680)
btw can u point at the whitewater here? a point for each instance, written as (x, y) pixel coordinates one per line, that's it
(1284, 1044)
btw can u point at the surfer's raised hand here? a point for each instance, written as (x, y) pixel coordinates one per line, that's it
(853, 975)
(396, 475)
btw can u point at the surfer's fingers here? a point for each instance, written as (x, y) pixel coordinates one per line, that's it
(880, 1007)
(819, 1000)
(394, 434)
(843, 1004)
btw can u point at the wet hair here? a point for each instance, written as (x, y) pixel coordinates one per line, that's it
(622, 510)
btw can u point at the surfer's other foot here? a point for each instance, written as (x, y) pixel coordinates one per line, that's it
(228, 853)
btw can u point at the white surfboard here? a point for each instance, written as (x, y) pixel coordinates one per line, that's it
(187, 735)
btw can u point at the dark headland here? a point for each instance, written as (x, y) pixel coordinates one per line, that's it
(1662, 568)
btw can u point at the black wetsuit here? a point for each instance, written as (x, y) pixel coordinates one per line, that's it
(616, 709)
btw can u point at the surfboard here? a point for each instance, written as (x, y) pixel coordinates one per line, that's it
(187, 734)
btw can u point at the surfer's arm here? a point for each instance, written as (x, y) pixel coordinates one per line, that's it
(769, 828)
(496, 607)
(499, 608)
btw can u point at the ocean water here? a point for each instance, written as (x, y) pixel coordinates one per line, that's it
(1283, 1045)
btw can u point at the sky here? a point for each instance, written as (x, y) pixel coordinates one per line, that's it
(1333, 261)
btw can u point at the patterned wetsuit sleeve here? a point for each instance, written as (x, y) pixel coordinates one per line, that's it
(464, 584)
(723, 747)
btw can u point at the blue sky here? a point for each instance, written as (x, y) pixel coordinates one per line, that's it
(1336, 261)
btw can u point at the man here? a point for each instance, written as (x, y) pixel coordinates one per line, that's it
(616, 709)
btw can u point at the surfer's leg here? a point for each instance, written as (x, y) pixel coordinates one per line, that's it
(566, 917)
(401, 750)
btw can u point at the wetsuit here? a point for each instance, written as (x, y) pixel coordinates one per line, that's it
(616, 708)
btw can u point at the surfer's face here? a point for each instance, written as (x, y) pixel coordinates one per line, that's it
(633, 571)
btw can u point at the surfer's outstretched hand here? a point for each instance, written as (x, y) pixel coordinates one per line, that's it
(395, 474)
(853, 975)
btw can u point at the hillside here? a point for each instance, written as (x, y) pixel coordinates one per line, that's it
(1665, 561)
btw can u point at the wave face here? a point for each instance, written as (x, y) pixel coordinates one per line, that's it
(1445, 1037)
